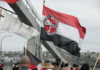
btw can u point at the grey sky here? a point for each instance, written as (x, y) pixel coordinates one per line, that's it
(87, 11)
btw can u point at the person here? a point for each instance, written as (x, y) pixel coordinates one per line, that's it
(74, 65)
(53, 63)
(77, 67)
(66, 67)
(71, 68)
(85, 66)
(61, 67)
(1, 66)
(47, 65)
(56, 66)
(89, 68)
(35, 69)
(16, 66)
(24, 63)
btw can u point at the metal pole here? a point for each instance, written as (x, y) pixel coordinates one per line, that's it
(25, 48)
(40, 50)
(24, 51)
(25, 43)
(1, 44)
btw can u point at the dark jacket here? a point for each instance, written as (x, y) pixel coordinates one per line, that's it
(1, 68)
(24, 68)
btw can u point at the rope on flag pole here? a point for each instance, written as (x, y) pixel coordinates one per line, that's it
(1, 13)
(96, 61)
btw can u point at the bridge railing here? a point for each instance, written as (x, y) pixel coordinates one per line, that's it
(33, 11)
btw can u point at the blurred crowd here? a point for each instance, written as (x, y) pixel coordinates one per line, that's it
(24, 64)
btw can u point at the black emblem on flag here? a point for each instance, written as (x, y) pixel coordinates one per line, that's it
(50, 24)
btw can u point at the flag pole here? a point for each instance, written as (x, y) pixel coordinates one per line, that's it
(96, 61)
(1, 13)
(40, 40)
(24, 50)
(44, 2)
(39, 50)
(61, 57)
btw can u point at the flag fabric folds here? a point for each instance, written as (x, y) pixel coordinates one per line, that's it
(63, 30)
(13, 25)
(9, 22)
(35, 62)
(24, 30)
(10, 1)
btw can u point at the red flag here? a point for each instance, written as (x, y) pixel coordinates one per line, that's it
(10, 1)
(63, 30)
(33, 66)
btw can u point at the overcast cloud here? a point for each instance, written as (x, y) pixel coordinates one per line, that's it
(87, 11)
